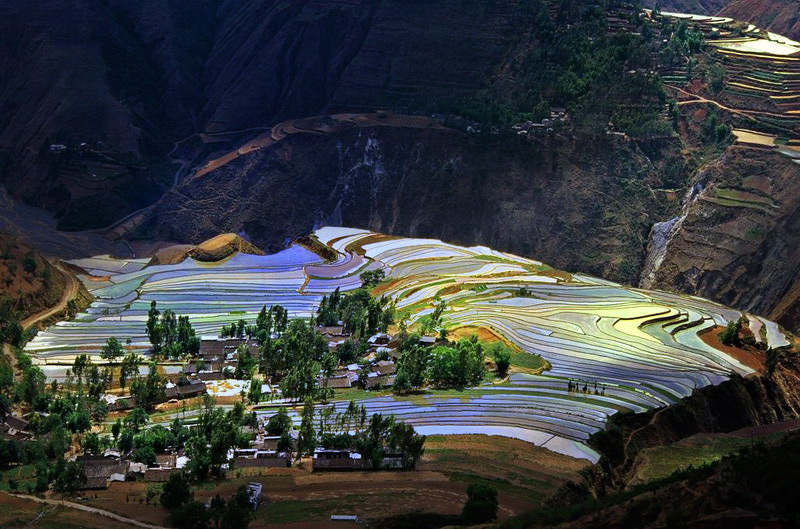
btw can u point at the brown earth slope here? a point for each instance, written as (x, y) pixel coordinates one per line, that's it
(28, 278)
(778, 16)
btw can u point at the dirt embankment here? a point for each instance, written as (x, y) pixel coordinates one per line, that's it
(215, 249)
(741, 402)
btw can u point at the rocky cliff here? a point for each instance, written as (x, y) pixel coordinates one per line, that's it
(736, 239)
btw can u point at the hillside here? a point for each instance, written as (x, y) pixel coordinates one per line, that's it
(27, 278)
(579, 202)
(130, 81)
(778, 16)
(210, 128)
(33, 290)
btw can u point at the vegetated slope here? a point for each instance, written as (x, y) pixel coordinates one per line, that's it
(736, 241)
(752, 489)
(28, 283)
(778, 16)
(584, 203)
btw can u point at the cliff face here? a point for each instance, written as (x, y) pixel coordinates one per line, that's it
(736, 240)
(582, 203)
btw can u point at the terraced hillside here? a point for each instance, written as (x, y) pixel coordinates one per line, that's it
(622, 348)
(731, 241)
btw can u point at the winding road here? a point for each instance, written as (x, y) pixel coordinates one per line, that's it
(70, 292)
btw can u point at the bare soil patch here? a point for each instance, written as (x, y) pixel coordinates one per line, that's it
(750, 357)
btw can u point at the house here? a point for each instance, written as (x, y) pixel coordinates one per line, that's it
(170, 391)
(159, 475)
(167, 459)
(263, 459)
(379, 381)
(427, 340)
(207, 376)
(379, 339)
(15, 428)
(384, 368)
(122, 404)
(336, 460)
(340, 382)
(195, 389)
(332, 331)
(17, 423)
(99, 469)
(351, 460)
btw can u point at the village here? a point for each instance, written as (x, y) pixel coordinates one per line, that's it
(211, 375)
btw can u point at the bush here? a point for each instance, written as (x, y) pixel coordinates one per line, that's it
(502, 358)
(481, 504)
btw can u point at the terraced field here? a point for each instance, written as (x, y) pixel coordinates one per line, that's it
(631, 349)
(762, 70)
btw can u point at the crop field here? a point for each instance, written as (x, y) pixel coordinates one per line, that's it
(762, 70)
(623, 349)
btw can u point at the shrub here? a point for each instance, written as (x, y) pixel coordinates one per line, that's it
(481, 504)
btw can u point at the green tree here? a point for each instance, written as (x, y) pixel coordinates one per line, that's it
(150, 390)
(91, 443)
(279, 423)
(154, 330)
(502, 358)
(144, 454)
(307, 438)
(177, 491)
(192, 515)
(239, 510)
(71, 478)
(29, 263)
(136, 419)
(481, 504)
(112, 350)
(129, 368)
(125, 442)
(254, 392)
